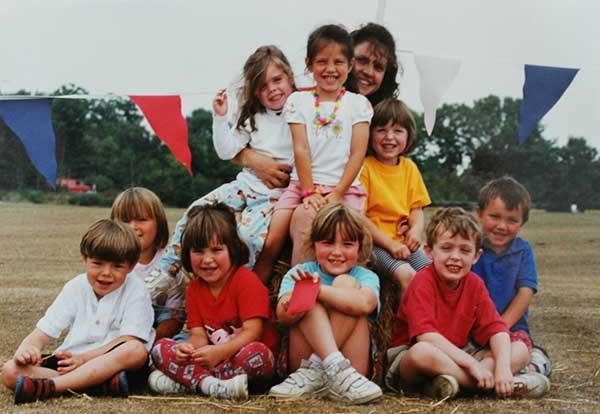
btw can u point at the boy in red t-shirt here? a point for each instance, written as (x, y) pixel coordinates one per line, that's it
(444, 307)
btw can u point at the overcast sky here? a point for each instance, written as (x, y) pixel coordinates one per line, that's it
(193, 48)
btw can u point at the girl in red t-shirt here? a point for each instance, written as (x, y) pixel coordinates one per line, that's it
(227, 307)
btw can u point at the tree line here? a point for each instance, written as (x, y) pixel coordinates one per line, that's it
(105, 142)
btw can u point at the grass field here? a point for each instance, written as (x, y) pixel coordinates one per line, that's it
(40, 252)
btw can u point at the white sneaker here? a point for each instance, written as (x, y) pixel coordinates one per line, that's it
(442, 387)
(159, 383)
(308, 381)
(540, 362)
(532, 385)
(235, 388)
(346, 385)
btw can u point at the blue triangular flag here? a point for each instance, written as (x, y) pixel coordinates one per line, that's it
(543, 87)
(30, 120)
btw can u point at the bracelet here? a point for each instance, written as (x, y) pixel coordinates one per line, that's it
(306, 193)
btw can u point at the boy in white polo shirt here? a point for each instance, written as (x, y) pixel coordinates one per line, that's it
(109, 317)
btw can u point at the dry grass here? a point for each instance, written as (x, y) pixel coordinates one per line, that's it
(39, 245)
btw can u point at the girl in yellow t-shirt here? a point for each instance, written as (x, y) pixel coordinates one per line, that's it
(396, 194)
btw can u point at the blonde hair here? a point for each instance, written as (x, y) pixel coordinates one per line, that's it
(454, 220)
(111, 240)
(254, 73)
(336, 217)
(209, 224)
(138, 202)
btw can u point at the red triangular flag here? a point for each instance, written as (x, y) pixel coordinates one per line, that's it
(304, 295)
(164, 116)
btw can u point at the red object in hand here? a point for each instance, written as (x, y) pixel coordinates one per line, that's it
(304, 296)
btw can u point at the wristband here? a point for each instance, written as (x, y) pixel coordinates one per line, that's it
(306, 193)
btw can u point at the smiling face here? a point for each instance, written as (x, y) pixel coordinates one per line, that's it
(337, 256)
(275, 89)
(105, 276)
(330, 68)
(369, 67)
(453, 256)
(146, 229)
(389, 142)
(212, 264)
(500, 225)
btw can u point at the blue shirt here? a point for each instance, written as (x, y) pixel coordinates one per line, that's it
(505, 273)
(364, 276)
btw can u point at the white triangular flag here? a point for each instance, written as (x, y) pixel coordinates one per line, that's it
(436, 75)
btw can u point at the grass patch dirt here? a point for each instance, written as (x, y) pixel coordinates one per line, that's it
(40, 252)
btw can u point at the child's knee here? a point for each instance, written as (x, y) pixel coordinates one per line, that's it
(9, 374)
(403, 275)
(132, 354)
(421, 354)
(346, 281)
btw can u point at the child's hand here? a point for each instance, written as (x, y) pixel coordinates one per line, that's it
(399, 251)
(504, 382)
(412, 241)
(68, 362)
(303, 275)
(483, 376)
(208, 356)
(30, 355)
(333, 197)
(184, 351)
(220, 103)
(402, 228)
(315, 201)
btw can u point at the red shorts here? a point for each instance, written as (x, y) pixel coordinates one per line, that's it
(522, 336)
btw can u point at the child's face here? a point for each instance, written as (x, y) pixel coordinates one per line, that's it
(389, 142)
(276, 89)
(500, 225)
(146, 229)
(212, 264)
(105, 276)
(452, 257)
(336, 257)
(330, 68)
(369, 68)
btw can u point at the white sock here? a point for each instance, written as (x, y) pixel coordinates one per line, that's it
(333, 359)
(315, 360)
(206, 383)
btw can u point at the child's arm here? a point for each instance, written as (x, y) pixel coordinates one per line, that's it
(503, 378)
(304, 166)
(483, 376)
(211, 355)
(416, 221)
(69, 361)
(394, 248)
(351, 301)
(168, 328)
(518, 306)
(227, 142)
(358, 149)
(30, 350)
(283, 317)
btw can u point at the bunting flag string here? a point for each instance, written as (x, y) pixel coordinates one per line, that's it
(30, 120)
(29, 117)
(543, 87)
